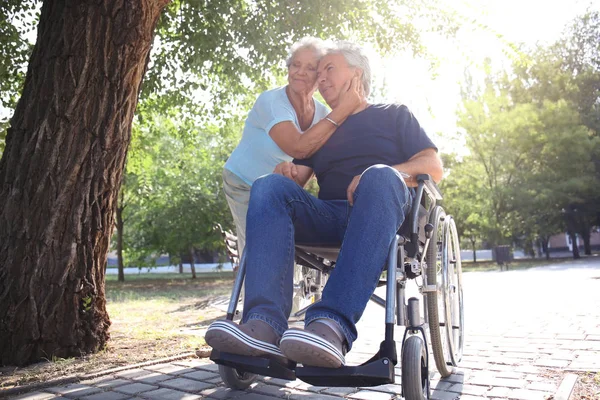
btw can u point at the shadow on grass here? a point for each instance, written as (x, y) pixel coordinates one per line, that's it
(168, 287)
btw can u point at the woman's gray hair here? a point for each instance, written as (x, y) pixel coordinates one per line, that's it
(307, 42)
(355, 57)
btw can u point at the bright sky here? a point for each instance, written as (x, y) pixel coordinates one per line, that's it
(434, 99)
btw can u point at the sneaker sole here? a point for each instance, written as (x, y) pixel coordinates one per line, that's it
(310, 350)
(227, 337)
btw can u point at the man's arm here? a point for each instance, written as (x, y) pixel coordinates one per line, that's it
(424, 162)
(298, 173)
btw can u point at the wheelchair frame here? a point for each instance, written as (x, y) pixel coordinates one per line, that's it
(430, 251)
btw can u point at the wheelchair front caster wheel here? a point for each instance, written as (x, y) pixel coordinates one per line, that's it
(414, 369)
(235, 379)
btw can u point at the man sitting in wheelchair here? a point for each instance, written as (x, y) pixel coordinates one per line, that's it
(364, 173)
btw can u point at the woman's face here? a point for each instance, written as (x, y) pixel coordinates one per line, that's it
(302, 72)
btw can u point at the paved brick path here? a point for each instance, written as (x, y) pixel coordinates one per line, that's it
(525, 331)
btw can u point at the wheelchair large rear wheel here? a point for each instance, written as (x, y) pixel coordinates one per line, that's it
(445, 306)
(235, 379)
(414, 369)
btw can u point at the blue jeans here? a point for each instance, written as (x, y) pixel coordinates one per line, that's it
(282, 213)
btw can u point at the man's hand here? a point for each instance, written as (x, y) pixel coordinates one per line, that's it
(287, 169)
(351, 188)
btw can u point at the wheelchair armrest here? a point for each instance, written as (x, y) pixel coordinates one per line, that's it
(430, 187)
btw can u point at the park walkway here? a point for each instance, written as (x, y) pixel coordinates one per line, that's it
(527, 333)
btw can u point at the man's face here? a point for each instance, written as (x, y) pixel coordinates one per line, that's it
(332, 75)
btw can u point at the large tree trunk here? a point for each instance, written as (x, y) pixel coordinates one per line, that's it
(61, 171)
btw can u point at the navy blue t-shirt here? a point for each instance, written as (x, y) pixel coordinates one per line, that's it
(381, 134)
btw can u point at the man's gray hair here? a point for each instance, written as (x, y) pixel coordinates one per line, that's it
(307, 42)
(356, 58)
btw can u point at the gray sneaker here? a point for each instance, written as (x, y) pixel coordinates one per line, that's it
(254, 338)
(317, 346)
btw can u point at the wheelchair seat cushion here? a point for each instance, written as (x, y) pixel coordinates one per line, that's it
(317, 346)
(254, 338)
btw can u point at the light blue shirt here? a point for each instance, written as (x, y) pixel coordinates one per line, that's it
(257, 154)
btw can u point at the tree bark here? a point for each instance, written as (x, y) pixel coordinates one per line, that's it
(545, 248)
(180, 266)
(575, 245)
(119, 226)
(61, 171)
(586, 235)
(474, 250)
(192, 264)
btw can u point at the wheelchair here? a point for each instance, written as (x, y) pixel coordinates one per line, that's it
(426, 251)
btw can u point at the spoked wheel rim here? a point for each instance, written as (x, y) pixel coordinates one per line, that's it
(452, 294)
(436, 313)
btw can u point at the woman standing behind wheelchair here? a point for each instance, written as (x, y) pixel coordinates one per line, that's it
(284, 123)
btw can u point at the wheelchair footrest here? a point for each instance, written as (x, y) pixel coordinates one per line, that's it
(373, 373)
(255, 365)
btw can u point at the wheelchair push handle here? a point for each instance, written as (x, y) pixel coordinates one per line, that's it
(430, 186)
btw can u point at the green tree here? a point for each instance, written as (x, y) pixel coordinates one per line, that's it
(65, 150)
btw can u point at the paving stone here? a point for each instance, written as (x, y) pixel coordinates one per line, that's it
(107, 396)
(136, 388)
(74, 390)
(441, 395)
(312, 396)
(484, 380)
(524, 394)
(574, 336)
(209, 367)
(187, 385)
(152, 377)
(509, 374)
(132, 373)
(394, 388)
(468, 389)
(529, 369)
(255, 396)
(168, 369)
(200, 375)
(340, 391)
(191, 362)
(272, 390)
(440, 385)
(108, 383)
(170, 394)
(548, 362)
(542, 386)
(307, 386)
(498, 392)
(370, 395)
(35, 396)
(221, 393)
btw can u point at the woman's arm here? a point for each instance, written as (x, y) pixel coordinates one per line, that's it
(303, 145)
